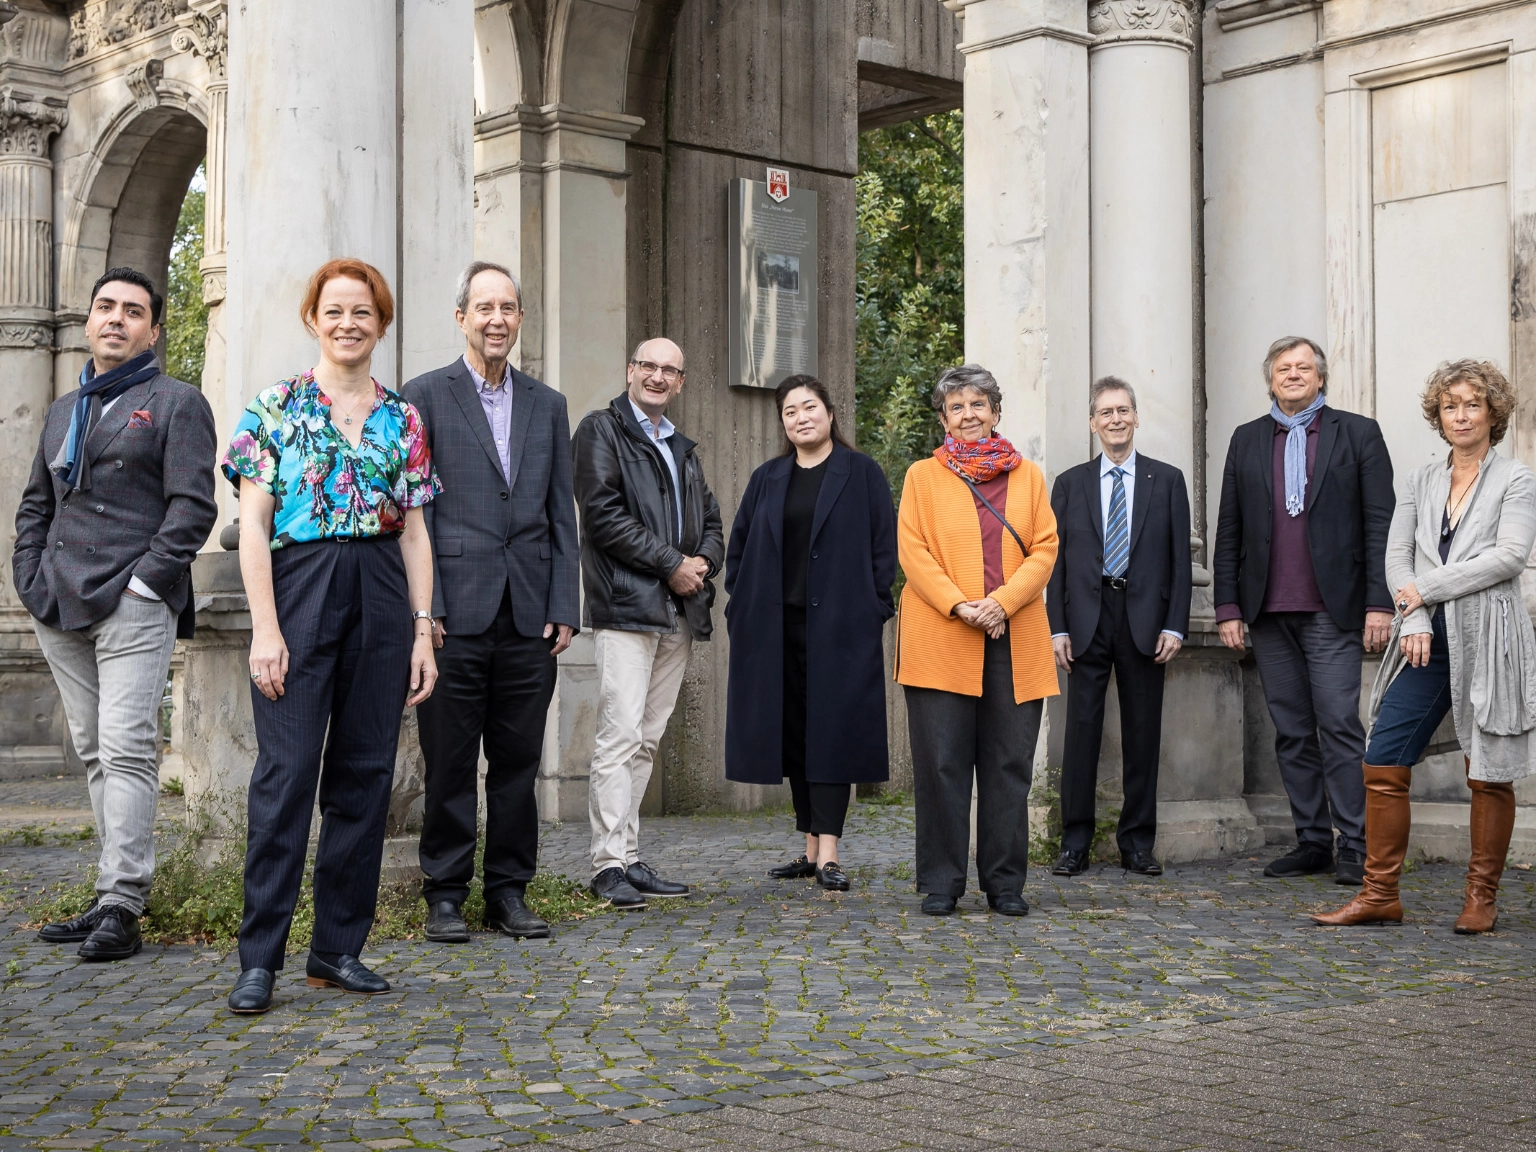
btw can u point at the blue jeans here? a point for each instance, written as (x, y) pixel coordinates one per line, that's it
(1414, 705)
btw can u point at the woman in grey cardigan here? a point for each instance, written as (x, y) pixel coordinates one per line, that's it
(1463, 643)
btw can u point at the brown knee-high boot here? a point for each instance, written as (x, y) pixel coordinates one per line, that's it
(1387, 817)
(1493, 822)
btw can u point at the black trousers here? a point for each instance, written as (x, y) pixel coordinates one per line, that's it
(959, 739)
(820, 809)
(346, 619)
(1139, 684)
(494, 687)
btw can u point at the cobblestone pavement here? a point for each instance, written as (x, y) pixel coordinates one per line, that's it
(851, 1014)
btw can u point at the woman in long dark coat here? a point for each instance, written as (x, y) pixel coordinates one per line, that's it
(809, 572)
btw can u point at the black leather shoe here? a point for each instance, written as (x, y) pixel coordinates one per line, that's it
(445, 923)
(643, 879)
(1303, 860)
(1350, 869)
(115, 937)
(72, 931)
(344, 972)
(801, 869)
(1070, 863)
(1008, 904)
(252, 993)
(936, 905)
(1139, 861)
(610, 887)
(832, 877)
(510, 916)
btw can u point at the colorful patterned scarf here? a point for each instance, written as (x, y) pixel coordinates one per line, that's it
(980, 460)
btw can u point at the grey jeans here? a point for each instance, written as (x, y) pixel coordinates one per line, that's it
(111, 677)
(1311, 673)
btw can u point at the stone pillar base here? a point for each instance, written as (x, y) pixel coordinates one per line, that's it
(1200, 829)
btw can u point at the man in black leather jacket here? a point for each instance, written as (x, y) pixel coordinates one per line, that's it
(651, 543)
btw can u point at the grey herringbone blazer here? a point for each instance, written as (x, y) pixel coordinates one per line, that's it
(491, 534)
(149, 509)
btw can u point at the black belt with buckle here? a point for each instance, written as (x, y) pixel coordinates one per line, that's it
(1116, 582)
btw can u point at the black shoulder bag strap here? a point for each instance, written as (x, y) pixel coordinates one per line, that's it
(987, 504)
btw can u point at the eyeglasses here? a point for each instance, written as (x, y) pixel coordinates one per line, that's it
(668, 373)
(1123, 412)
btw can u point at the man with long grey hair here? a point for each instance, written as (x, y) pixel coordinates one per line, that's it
(1300, 556)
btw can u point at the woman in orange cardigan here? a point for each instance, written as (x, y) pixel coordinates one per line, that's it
(977, 541)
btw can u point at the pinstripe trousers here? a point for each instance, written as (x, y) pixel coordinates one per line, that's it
(345, 616)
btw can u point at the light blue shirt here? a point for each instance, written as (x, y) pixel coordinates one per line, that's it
(659, 434)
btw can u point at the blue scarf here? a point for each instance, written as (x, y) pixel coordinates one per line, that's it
(1296, 451)
(95, 393)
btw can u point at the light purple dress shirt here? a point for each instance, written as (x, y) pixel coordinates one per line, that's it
(497, 401)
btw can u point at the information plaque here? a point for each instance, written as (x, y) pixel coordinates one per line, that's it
(773, 296)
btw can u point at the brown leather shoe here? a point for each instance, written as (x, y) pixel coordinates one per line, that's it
(1493, 822)
(1387, 818)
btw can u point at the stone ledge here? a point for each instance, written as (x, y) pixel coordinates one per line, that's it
(1441, 832)
(1201, 829)
(36, 762)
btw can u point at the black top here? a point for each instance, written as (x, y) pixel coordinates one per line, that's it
(799, 513)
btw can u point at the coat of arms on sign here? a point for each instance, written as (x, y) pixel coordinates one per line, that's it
(778, 184)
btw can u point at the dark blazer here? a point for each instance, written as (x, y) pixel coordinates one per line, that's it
(1158, 576)
(629, 538)
(1350, 500)
(149, 509)
(852, 567)
(491, 534)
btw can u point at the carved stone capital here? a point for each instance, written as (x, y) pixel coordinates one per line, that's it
(144, 82)
(1157, 21)
(215, 280)
(22, 334)
(204, 33)
(28, 124)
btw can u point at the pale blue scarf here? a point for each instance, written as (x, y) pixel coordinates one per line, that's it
(1296, 451)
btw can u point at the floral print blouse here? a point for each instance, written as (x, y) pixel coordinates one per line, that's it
(325, 488)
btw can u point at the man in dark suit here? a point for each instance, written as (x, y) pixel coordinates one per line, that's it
(1306, 501)
(504, 606)
(1118, 601)
(119, 501)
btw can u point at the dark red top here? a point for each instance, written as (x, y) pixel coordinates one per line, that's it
(996, 491)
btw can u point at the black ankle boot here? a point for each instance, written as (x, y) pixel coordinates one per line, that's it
(115, 937)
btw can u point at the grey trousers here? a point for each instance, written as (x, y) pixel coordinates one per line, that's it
(1311, 674)
(111, 677)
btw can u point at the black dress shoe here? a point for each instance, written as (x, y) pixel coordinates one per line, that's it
(936, 905)
(1070, 863)
(445, 923)
(643, 879)
(1350, 869)
(1008, 904)
(510, 916)
(1303, 860)
(801, 869)
(610, 887)
(323, 970)
(1139, 861)
(832, 877)
(252, 993)
(72, 931)
(115, 937)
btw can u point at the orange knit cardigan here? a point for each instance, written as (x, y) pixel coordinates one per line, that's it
(939, 543)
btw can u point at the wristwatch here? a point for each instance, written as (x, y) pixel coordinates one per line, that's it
(421, 614)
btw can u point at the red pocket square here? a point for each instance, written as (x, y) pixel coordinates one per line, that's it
(140, 418)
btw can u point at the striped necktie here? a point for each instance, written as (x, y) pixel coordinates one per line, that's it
(1117, 532)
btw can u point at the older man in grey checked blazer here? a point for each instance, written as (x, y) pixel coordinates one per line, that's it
(505, 604)
(119, 501)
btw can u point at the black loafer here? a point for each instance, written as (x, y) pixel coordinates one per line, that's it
(801, 869)
(832, 877)
(510, 916)
(1008, 904)
(1303, 860)
(1070, 863)
(1350, 869)
(445, 923)
(1139, 861)
(344, 972)
(610, 887)
(72, 931)
(252, 993)
(115, 937)
(936, 905)
(643, 879)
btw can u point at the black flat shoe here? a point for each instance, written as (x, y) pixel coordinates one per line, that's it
(510, 916)
(936, 905)
(73, 931)
(832, 877)
(1008, 904)
(344, 972)
(115, 937)
(1070, 863)
(801, 869)
(1302, 860)
(610, 887)
(252, 993)
(445, 923)
(1139, 861)
(643, 879)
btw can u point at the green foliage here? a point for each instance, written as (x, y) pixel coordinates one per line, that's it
(186, 316)
(173, 787)
(911, 297)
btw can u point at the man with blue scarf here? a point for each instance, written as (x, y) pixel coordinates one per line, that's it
(1306, 501)
(118, 503)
